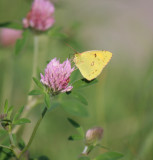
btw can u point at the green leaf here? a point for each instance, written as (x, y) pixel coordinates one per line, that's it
(79, 97)
(2, 132)
(9, 112)
(20, 43)
(5, 122)
(38, 83)
(5, 154)
(84, 158)
(54, 105)
(74, 123)
(83, 83)
(109, 156)
(75, 137)
(12, 25)
(18, 114)
(21, 121)
(21, 144)
(6, 106)
(47, 100)
(74, 107)
(35, 92)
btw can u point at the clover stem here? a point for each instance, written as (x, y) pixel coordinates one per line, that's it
(33, 133)
(31, 102)
(35, 56)
(15, 150)
(6, 147)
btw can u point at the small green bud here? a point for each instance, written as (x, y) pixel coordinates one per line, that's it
(4, 122)
(93, 136)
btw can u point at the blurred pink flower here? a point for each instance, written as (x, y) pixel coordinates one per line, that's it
(8, 36)
(40, 16)
(57, 76)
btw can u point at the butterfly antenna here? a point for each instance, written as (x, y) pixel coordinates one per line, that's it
(71, 48)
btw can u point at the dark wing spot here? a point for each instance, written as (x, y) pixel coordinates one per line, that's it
(95, 55)
(92, 64)
(96, 70)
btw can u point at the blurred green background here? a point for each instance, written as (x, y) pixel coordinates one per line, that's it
(121, 102)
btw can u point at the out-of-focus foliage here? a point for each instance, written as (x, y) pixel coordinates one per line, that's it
(121, 102)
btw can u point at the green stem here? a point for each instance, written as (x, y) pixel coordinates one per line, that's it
(11, 139)
(33, 133)
(13, 147)
(31, 102)
(35, 57)
(6, 147)
(87, 150)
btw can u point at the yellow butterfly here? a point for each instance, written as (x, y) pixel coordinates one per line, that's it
(91, 63)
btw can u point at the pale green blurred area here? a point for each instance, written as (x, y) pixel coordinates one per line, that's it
(122, 101)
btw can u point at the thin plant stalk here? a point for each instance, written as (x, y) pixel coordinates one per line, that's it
(6, 147)
(13, 146)
(33, 133)
(35, 59)
(87, 150)
(11, 139)
(31, 102)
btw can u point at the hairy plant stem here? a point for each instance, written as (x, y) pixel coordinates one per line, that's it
(6, 147)
(33, 133)
(11, 139)
(31, 102)
(15, 150)
(35, 57)
(87, 150)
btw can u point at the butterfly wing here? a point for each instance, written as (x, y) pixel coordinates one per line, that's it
(91, 63)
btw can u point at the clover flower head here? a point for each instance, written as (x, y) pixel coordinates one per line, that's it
(57, 76)
(40, 17)
(8, 36)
